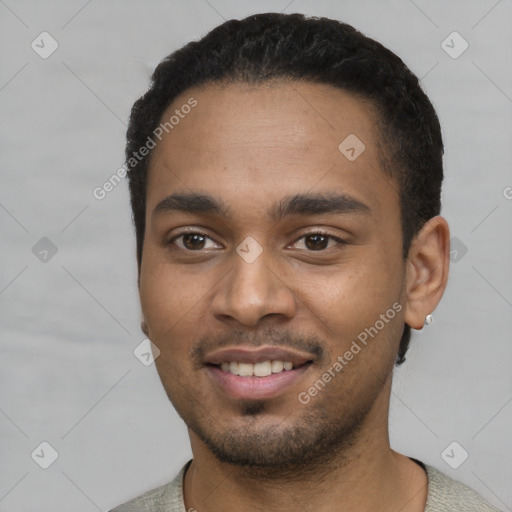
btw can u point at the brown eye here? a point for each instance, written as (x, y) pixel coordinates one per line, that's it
(316, 242)
(193, 241)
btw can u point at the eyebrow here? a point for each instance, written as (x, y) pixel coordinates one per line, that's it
(192, 203)
(298, 204)
(318, 204)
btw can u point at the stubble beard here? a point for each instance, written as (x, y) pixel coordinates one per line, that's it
(315, 443)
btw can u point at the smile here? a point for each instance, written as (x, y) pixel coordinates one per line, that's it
(263, 369)
(245, 381)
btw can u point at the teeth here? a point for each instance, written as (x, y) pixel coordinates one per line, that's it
(233, 368)
(263, 369)
(245, 369)
(277, 366)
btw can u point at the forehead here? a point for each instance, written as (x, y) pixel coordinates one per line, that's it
(260, 141)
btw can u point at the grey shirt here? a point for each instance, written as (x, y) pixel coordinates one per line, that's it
(443, 495)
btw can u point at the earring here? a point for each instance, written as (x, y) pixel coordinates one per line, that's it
(428, 319)
(144, 328)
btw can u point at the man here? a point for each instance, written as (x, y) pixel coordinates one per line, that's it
(285, 178)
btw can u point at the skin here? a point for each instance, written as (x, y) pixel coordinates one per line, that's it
(252, 147)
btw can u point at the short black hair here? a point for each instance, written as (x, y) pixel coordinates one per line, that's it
(271, 46)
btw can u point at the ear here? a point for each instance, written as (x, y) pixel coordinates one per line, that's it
(427, 267)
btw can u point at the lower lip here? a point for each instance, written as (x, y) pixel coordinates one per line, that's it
(254, 388)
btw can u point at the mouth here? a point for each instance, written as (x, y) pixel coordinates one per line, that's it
(256, 374)
(260, 370)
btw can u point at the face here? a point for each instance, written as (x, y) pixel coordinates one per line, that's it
(269, 246)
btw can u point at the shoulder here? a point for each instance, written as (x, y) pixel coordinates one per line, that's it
(151, 501)
(448, 495)
(166, 498)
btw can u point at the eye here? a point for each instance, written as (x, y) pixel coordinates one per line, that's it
(193, 241)
(318, 241)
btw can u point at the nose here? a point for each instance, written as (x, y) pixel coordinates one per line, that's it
(251, 292)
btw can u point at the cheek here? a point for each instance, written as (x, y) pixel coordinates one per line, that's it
(170, 301)
(352, 297)
(171, 298)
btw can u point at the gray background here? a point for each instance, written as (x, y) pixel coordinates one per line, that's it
(69, 325)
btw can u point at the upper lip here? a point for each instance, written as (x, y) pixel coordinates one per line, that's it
(257, 355)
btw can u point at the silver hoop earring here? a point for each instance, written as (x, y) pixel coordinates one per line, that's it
(428, 319)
